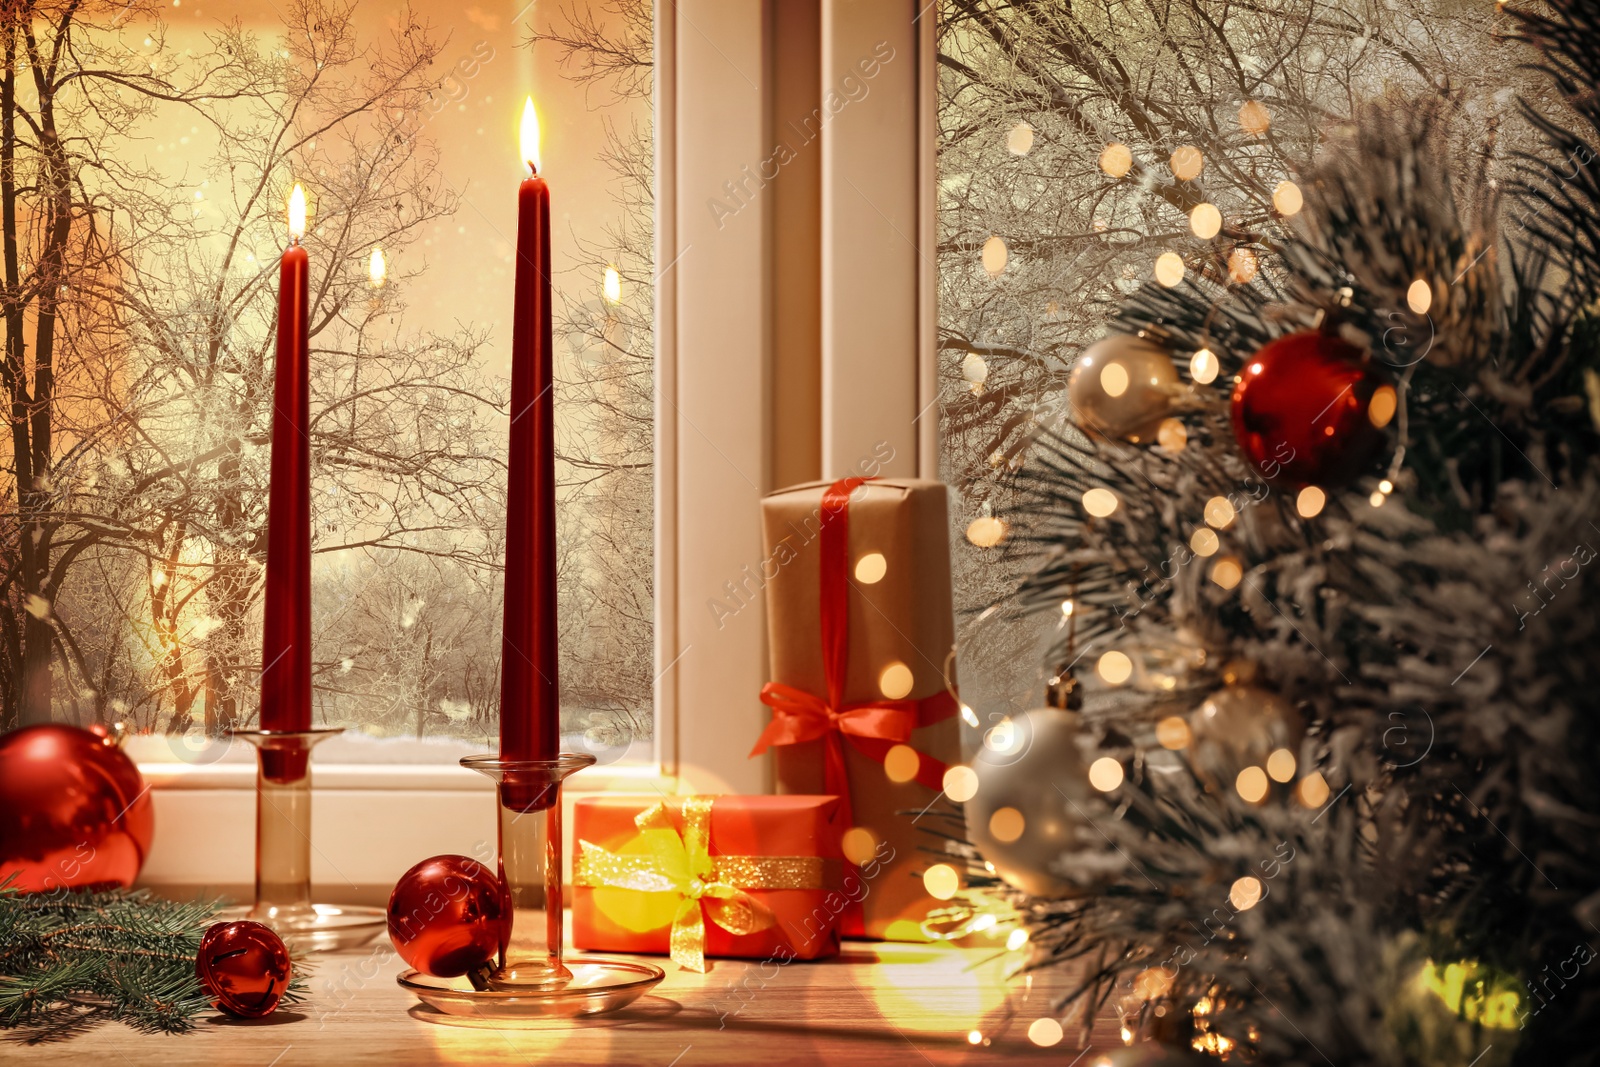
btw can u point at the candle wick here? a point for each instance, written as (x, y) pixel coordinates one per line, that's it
(294, 241)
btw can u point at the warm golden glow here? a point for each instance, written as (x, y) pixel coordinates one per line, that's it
(1016, 939)
(1212, 1043)
(1376, 499)
(941, 881)
(530, 136)
(1287, 198)
(1067, 608)
(1172, 435)
(1203, 366)
(1169, 269)
(859, 845)
(1252, 785)
(1205, 221)
(1099, 502)
(1114, 379)
(1254, 118)
(901, 763)
(611, 286)
(1219, 512)
(377, 269)
(960, 783)
(871, 568)
(895, 681)
(1205, 542)
(995, 255)
(1007, 825)
(1116, 160)
(1105, 773)
(1280, 765)
(1245, 893)
(1310, 502)
(1186, 162)
(1115, 667)
(1314, 790)
(1419, 298)
(297, 212)
(1045, 1032)
(986, 531)
(1385, 402)
(1226, 572)
(1002, 737)
(1173, 732)
(1242, 265)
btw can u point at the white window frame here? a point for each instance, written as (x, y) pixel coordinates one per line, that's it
(714, 352)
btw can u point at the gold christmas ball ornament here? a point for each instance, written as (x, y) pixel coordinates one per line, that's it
(1122, 387)
(1021, 817)
(1242, 735)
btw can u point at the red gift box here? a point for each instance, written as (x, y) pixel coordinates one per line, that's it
(756, 877)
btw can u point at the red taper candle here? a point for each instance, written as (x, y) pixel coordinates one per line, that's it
(286, 636)
(529, 680)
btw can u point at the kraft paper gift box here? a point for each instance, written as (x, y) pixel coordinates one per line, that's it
(756, 877)
(861, 630)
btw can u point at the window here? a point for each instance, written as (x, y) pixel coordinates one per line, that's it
(150, 243)
(749, 393)
(1086, 149)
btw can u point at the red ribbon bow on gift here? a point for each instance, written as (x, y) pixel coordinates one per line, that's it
(874, 726)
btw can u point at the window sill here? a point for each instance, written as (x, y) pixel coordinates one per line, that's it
(369, 823)
(411, 777)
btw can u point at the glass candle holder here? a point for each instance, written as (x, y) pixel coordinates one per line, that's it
(528, 803)
(283, 848)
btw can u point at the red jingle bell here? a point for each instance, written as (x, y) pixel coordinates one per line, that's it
(449, 915)
(244, 967)
(1310, 409)
(77, 812)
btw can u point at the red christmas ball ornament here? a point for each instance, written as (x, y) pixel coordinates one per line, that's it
(449, 915)
(244, 967)
(76, 810)
(1310, 409)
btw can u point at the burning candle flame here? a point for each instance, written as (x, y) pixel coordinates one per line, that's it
(612, 286)
(530, 136)
(297, 212)
(377, 269)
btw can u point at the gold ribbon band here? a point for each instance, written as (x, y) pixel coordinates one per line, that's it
(601, 868)
(713, 887)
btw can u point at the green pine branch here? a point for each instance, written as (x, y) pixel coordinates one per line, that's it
(71, 959)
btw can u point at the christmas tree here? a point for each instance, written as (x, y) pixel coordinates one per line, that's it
(1318, 539)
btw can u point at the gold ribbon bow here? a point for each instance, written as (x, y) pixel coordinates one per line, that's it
(709, 886)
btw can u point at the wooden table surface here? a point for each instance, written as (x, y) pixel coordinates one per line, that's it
(877, 1004)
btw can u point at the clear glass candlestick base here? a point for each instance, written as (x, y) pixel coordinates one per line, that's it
(528, 805)
(283, 850)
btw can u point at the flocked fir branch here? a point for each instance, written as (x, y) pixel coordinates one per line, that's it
(1433, 625)
(72, 958)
